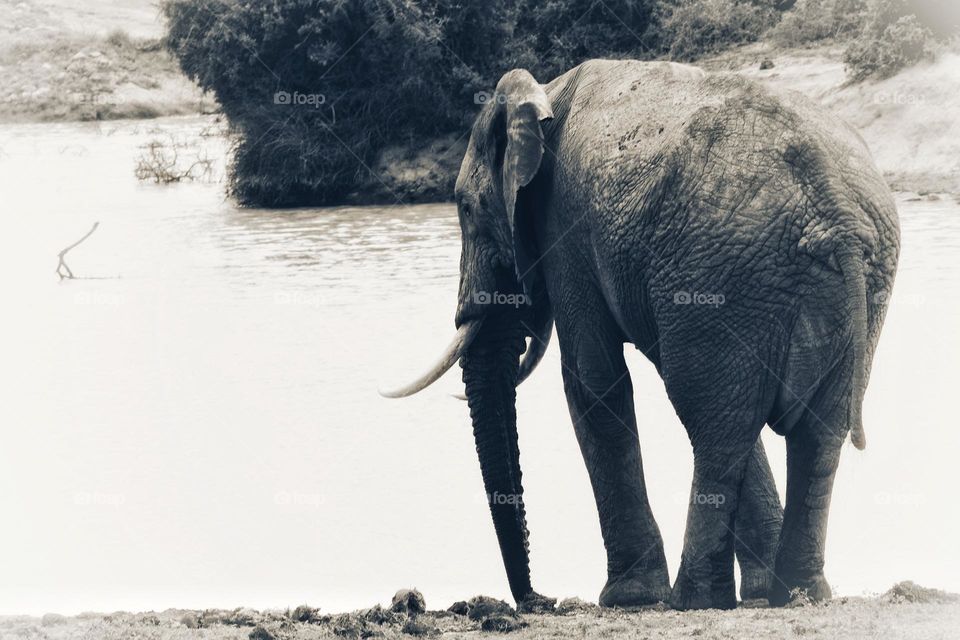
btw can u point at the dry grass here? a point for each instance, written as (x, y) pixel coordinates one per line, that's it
(906, 611)
(73, 76)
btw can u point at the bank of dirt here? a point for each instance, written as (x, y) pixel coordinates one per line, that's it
(905, 612)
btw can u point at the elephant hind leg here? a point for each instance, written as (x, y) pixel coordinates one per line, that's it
(722, 393)
(706, 578)
(758, 522)
(813, 455)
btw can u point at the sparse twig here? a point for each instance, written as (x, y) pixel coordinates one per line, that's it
(160, 163)
(62, 269)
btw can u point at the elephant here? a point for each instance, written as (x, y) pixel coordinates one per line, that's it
(742, 239)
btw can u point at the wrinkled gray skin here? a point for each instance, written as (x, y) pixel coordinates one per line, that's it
(617, 197)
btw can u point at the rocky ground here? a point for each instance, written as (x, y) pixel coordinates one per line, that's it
(905, 611)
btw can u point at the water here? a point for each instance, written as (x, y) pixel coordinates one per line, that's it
(195, 422)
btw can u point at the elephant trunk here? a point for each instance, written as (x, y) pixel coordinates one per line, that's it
(490, 369)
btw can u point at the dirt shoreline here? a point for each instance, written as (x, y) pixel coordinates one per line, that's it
(903, 612)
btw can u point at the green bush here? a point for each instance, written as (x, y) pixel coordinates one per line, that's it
(892, 39)
(698, 27)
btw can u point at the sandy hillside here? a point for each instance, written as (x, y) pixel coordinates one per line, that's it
(139, 18)
(911, 121)
(96, 60)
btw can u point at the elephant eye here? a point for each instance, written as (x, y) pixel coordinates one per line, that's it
(467, 209)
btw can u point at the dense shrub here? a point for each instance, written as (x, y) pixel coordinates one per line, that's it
(559, 34)
(814, 20)
(892, 39)
(698, 27)
(314, 90)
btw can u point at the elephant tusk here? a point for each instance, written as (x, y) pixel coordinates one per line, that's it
(538, 347)
(465, 335)
(530, 360)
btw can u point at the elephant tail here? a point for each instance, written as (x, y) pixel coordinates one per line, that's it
(854, 278)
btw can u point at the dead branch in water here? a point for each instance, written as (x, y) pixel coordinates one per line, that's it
(161, 164)
(62, 269)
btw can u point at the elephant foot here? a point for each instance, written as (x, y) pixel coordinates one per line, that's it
(787, 588)
(636, 590)
(536, 603)
(755, 584)
(689, 593)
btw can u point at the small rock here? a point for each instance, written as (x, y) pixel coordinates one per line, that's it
(571, 606)
(241, 617)
(536, 603)
(214, 616)
(460, 608)
(190, 620)
(409, 601)
(415, 627)
(52, 619)
(379, 616)
(484, 606)
(305, 613)
(908, 591)
(501, 624)
(348, 626)
(259, 633)
(765, 64)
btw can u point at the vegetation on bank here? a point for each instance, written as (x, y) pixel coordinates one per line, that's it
(74, 76)
(316, 90)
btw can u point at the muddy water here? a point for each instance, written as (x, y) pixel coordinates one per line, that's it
(195, 422)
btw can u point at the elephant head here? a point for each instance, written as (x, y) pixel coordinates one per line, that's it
(500, 300)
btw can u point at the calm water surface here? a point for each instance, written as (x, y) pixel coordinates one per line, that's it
(196, 423)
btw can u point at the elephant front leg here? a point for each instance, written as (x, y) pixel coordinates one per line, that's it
(600, 397)
(758, 522)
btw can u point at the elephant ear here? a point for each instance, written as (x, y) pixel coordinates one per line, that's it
(526, 106)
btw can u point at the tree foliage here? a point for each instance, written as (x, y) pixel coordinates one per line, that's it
(315, 89)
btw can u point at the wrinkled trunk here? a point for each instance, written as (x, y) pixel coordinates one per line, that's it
(490, 376)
